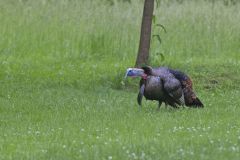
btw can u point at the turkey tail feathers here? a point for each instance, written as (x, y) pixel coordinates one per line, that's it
(196, 103)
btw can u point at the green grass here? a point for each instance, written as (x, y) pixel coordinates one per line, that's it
(61, 70)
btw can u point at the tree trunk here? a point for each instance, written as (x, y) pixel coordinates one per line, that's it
(145, 37)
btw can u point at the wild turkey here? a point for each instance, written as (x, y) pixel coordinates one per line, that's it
(190, 97)
(163, 88)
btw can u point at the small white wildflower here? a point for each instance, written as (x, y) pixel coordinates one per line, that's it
(134, 155)
(142, 155)
(233, 148)
(44, 150)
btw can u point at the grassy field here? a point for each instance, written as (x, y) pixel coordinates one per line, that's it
(62, 94)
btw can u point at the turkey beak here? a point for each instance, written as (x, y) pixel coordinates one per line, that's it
(126, 75)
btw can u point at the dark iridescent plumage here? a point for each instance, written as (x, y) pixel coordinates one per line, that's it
(162, 88)
(186, 84)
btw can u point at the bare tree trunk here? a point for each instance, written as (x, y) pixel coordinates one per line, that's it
(145, 37)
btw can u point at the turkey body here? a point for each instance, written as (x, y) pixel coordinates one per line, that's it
(190, 98)
(153, 88)
(157, 88)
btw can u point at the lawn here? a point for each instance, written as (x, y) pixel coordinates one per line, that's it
(62, 92)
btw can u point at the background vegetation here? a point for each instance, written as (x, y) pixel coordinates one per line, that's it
(62, 94)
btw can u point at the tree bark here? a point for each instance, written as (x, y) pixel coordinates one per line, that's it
(145, 37)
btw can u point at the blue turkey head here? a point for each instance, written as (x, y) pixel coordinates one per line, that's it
(134, 72)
